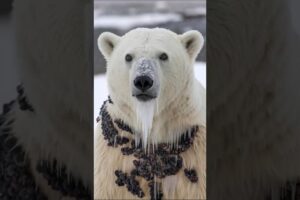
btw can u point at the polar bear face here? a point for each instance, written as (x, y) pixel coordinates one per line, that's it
(147, 64)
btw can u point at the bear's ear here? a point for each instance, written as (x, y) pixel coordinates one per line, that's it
(193, 42)
(107, 42)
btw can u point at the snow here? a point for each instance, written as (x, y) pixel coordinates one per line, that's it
(101, 92)
(129, 21)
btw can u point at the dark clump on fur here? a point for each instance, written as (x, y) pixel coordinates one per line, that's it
(16, 180)
(127, 151)
(60, 180)
(5, 109)
(123, 126)
(191, 175)
(160, 166)
(164, 160)
(133, 149)
(22, 100)
(97, 119)
(109, 132)
(110, 101)
(130, 182)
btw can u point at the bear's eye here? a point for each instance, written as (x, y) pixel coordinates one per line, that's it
(163, 56)
(128, 57)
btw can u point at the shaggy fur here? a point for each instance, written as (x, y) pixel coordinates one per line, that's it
(180, 105)
(254, 142)
(54, 56)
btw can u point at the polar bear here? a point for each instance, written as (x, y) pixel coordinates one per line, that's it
(151, 132)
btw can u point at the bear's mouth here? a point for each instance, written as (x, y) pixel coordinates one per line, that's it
(144, 97)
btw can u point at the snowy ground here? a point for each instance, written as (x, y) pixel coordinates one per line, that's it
(101, 93)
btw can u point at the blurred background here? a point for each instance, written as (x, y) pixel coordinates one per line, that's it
(8, 59)
(120, 16)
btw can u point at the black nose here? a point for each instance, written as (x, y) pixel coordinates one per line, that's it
(143, 82)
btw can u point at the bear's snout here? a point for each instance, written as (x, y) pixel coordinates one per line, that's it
(143, 83)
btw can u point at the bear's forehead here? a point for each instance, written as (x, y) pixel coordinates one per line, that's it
(149, 41)
(149, 35)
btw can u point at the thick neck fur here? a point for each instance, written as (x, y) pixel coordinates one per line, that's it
(187, 109)
(255, 72)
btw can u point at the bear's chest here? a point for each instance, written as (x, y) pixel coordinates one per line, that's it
(144, 171)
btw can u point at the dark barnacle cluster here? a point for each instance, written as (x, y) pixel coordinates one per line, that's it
(109, 100)
(159, 166)
(133, 149)
(191, 175)
(109, 132)
(130, 182)
(186, 140)
(5, 109)
(60, 180)
(22, 100)
(127, 151)
(102, 107)
(163, 149)
(123, 126)
(155, 191)
(97, 119)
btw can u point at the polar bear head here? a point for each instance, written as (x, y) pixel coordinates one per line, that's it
(147, 64)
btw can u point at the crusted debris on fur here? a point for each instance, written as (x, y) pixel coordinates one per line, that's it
(109, 132)
(191, 174)
(130, 182)
(123, 126)
(163, 160)
(22, 100)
